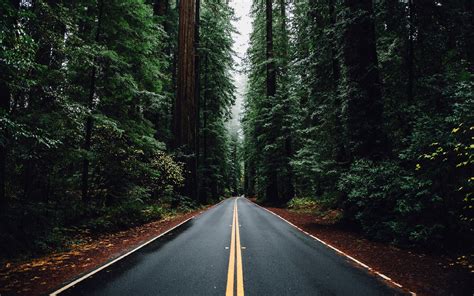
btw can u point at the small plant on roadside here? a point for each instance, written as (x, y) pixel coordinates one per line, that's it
(302, 203)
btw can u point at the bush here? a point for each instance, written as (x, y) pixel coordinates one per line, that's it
(299, 203)
(185, 204)
(34, 228)
(392, 204)
(373, 198)
(122, 216)
(31, 229)
(153, 212)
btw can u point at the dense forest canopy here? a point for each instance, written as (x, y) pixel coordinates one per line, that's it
(87, 136)
(371, 112)
(114, 113)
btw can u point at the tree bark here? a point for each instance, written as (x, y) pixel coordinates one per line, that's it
(89, 122)
(184, 119)
(334, 61)
(363, 94)
(340, 151)
(197, 94)
(204, 112)
(271, 73)
(271, 191)
(289, 189)
(410, 51)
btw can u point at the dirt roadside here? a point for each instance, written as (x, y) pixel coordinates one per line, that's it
(423, 274)
(45, 274)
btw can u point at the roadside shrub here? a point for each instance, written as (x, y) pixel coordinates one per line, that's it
(185, 204)
(323, 209)
(153, 212)
(298, 203)
(122, 216)
(393, 204)
(373, 198)
(34, 228)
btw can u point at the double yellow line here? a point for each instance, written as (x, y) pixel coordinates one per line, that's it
(235, 251)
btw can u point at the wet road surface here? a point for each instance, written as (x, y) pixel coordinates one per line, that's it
(235, 248)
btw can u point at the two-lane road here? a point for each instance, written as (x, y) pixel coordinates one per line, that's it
(235, 248)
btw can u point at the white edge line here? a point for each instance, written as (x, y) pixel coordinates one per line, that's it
(337, 250)
(75, 282)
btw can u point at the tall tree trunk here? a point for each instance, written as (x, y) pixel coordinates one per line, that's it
(410, 51)
(204, 122)
(49, 55)
(5, 106)
(271, 191)
(289, 189)
(5, 98)
(363, 94)
(197, 93)
(334, 61)
(271, 73)
(184, 119)
(89, 123)
(339, 149)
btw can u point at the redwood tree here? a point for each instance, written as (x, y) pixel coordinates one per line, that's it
(363, 96)
(185, 109)
(89, 122)
(271, 191)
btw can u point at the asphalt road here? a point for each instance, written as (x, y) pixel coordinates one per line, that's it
(202, 257)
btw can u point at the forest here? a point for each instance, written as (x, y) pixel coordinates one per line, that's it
(92, 137)
(367, 107)
(115, 113)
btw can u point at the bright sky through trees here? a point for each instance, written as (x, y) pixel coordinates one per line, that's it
(243, 26)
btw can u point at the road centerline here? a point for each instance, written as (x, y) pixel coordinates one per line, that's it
(240, 274)
(235, 254)
(230, 271)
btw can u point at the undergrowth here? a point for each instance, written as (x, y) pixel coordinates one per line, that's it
(33, 229)
(323, 209)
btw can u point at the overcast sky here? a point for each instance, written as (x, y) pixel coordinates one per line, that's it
(243, 25)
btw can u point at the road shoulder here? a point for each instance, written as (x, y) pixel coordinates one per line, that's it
(421, 273)
(43, 275)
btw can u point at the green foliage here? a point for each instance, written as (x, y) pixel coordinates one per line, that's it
(323, 209)
(381, 192)
(50, 51)
(37, 228)
(215, 172)
(301, 203)
(268, 120)
(123, 216)
(67, 65)
(394, 152)
(186, 204)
